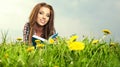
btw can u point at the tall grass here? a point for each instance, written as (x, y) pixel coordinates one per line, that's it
(58, 54)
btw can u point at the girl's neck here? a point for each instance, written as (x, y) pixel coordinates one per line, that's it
(38, 29)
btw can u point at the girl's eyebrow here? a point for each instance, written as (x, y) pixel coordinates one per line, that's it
(44, 12)
(41, 11)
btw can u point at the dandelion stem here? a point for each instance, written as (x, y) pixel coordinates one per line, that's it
(102, 38)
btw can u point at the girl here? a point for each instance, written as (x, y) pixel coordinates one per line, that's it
(41, 23)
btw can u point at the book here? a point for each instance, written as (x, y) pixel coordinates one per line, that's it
(35, 37)
(54, 35)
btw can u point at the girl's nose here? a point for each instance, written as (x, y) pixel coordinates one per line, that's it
(43, 17)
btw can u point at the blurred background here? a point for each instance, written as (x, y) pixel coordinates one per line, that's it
(81, 17)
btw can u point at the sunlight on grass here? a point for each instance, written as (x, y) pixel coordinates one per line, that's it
(61, 52)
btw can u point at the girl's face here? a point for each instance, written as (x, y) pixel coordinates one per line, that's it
(43, 16)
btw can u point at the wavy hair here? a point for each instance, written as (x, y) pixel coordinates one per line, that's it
(48, 29)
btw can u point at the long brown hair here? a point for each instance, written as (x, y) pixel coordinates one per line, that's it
(48, 29)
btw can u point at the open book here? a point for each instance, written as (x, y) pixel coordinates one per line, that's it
(34, 37)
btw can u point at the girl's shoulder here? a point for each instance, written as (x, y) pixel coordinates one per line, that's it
(27, 24)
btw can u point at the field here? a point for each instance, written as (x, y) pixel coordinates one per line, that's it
(61, 52)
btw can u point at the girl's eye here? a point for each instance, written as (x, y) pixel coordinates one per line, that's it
(48, 15)
(40, 13)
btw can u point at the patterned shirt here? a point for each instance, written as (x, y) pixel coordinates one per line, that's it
(26, 32)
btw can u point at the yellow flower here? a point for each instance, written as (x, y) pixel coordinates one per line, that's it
(106, 31)
(6, 55)
(112, 44)
(95, 41)
(40, 45)
(71, 62)
(37, 41)
(56, 66)
(30, 49)
(73, 38)
(19, 38)
(76, 46)
(51, 41)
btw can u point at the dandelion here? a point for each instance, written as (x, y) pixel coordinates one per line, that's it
(76, 46)
(73, 38)
(56, 66)
(106, 31)
(0, 61)
(95, 41)
(51, 41)
(6, 55)
(71, 62)
(19, 38)
(112, 44)
(37, 41)
(40, 45)
(30, 49)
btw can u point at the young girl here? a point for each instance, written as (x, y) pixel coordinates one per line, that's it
(41, 23)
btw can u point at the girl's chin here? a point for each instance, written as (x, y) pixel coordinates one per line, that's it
(39, 24)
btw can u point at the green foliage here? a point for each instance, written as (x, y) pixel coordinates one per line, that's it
(4, 36)
(102, 54)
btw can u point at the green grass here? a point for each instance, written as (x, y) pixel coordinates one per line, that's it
(102, 54)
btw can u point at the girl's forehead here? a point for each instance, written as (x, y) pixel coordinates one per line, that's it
(46, 9)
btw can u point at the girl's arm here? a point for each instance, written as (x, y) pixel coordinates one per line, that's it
(26, 32)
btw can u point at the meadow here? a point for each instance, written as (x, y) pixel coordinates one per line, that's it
(61, 52)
